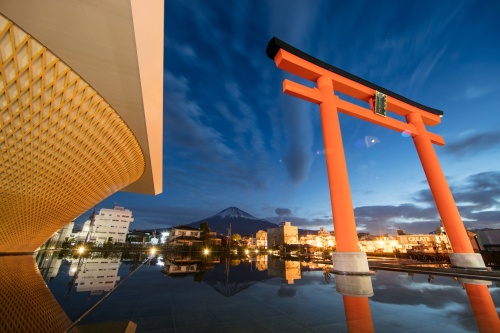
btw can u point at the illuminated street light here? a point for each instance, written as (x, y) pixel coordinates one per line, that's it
(206, 251)
(153, 251)
(246, 251)
(81, 249)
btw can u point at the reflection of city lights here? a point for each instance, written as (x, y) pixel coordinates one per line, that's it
(206, 251)
(160, 261)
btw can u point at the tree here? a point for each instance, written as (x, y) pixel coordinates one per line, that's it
(205, 233)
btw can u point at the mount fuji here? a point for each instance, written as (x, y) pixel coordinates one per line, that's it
(241, 222)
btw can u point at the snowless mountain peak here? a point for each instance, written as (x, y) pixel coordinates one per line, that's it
(234, 212)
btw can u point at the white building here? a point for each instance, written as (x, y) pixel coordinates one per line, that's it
(110, 225)
(184, 235)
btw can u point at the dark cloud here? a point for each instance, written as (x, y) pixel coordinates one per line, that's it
(386, 219)
(477, 198)
(474, 144)
(283, 212)
(305, 222)
(298, 127)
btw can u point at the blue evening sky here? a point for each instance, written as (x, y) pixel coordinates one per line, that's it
(232, 138)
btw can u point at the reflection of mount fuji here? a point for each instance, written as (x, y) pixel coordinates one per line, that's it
(230, 280)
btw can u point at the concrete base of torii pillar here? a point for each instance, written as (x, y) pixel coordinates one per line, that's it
(352, 274)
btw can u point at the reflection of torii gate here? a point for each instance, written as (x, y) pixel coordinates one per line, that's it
(328, 79)
(348, 259)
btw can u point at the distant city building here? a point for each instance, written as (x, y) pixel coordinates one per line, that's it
(488, 239)
(110, 225)
(382, 244)
(284, 234)
(164, 237)
(261, 239)
(184, 235)
(323, 240)
(424, 242)
(213, 239)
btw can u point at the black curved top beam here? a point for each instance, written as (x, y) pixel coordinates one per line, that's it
(275, 44)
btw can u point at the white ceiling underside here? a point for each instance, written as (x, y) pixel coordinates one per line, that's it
(117, 47)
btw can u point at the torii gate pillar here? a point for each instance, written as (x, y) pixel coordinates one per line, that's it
(463, 255)
(347, 258)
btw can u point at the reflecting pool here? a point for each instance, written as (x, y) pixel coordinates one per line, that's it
(258, 294)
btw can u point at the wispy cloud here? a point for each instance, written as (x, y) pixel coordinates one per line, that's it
(473, 92)
(474, 144)
(183, 122)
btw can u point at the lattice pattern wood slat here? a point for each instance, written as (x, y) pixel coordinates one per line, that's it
(63, 148)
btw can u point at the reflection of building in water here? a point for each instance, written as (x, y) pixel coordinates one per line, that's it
(234, 276)
(284, 234)
(110, 225)
(261, 262)
(314, 266)
(288, 270)
(48, 264)
(177, 267)
(96, 275)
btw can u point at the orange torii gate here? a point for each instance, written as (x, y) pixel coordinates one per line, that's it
(329, 79)
(348, 260)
